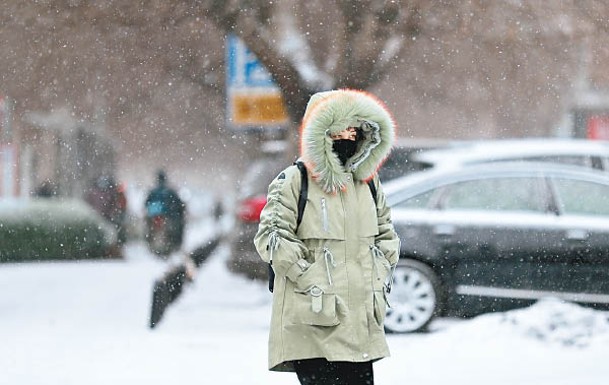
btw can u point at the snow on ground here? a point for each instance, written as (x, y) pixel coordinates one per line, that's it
(76, 323)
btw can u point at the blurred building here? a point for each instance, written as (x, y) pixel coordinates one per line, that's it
(59, 155)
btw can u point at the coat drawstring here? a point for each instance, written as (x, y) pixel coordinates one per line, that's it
(390, 283)
(273, 244)
(329, 262)
(377, 253)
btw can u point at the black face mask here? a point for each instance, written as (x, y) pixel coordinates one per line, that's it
(344, 148)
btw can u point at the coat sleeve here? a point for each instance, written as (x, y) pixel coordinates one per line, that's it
(387, 239)
(276, 238)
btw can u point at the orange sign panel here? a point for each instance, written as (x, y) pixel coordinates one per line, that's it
(258, 109)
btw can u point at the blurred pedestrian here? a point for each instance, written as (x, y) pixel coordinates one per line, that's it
(333, 268)
(164, 200)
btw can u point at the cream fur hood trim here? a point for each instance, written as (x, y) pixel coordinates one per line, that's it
(330, 112)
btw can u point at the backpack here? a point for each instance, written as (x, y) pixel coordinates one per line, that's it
(302, 202)
(154, 208)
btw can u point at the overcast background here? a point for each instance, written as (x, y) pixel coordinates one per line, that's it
(150, 73)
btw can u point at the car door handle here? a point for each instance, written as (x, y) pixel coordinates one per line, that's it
(577, 235)
(444, 230)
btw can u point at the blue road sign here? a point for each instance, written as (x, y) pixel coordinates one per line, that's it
(244, 69)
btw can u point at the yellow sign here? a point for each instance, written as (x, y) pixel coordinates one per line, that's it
(258, 109)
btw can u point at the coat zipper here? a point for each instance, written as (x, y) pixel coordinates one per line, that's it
(324, 215)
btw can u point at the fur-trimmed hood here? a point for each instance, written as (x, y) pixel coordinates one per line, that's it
(331, 112)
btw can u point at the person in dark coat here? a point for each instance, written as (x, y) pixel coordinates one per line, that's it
(163, 200)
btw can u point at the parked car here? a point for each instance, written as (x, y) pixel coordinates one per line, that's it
(253, 189)
(582, 152)
(403, 157)
(496, 236)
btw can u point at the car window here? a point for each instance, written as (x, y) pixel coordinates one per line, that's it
(419, 201)
(574, 160)
(498, 194)
(400, 162)
(564, 159)
(571, 195)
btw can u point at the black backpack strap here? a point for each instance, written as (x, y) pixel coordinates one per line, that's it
(304, 191)
(372, 189)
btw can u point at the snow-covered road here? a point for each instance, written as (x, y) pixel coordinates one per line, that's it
(75, 323)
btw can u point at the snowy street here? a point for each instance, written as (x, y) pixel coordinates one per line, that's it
(456, 152)
(86, 323)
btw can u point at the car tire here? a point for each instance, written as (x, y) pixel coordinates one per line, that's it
(415, 299)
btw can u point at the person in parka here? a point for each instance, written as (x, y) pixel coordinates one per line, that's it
(332, 270)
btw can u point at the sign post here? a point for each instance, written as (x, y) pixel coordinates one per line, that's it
(253, 99)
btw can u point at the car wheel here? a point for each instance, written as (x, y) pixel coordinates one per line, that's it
(415, 298)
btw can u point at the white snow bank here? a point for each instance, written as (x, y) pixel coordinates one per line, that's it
(557, 322)
(74, 323)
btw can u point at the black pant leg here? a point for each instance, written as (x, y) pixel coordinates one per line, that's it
(356, 373)
(319, 371)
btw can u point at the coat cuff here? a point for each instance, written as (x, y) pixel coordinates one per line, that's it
(297, 269)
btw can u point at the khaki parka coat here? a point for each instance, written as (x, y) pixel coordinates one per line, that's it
(331, 271)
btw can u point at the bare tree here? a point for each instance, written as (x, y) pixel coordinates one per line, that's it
(154, 69)
(501, 67)
(318, 45)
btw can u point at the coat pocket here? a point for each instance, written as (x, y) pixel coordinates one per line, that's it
(313, 307)
(315, 275)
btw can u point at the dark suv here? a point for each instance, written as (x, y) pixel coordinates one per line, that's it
(496, 236)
